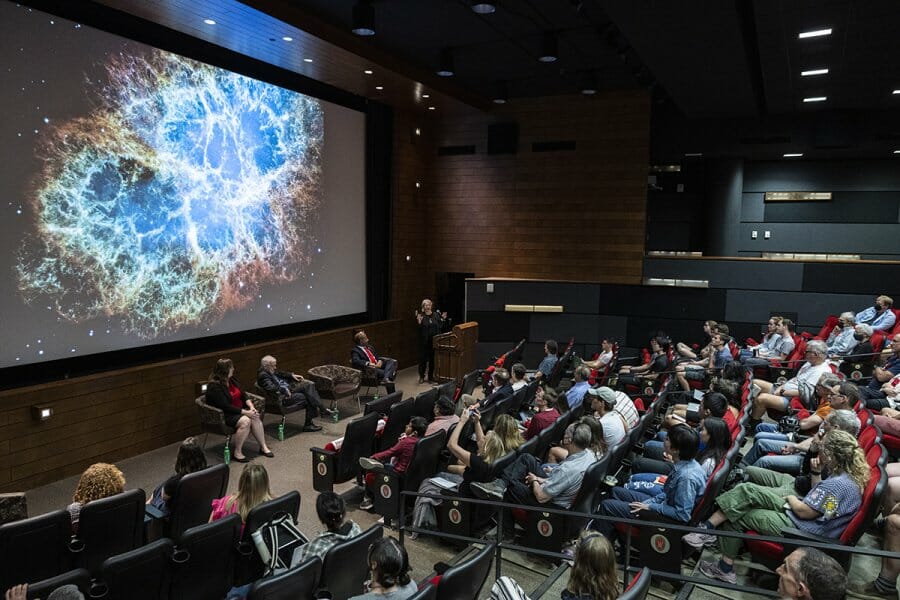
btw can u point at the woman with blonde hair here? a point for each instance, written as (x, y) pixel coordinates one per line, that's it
(253, 490)
(825, 511)
(100, 480)
(471, 466)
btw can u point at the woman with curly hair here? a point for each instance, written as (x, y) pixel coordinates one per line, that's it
(189, 460)
(100, 480)
(253, 490)
(825, 511)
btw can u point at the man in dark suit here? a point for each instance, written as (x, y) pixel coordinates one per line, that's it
(292, 389)
(363, 355)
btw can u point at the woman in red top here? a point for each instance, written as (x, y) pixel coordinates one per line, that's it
(223, 392)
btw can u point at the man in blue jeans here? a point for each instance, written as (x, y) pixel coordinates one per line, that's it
(684, 486)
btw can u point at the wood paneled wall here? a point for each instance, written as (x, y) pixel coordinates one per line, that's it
(576, 215)
(118, 414)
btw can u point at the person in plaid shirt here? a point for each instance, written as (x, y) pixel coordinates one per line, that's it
(332, 511)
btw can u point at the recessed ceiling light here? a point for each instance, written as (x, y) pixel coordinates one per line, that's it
(363, 18)
(426, 95)
(812, 72)
(368, 71)
(483, 8)
(814, 33)
(693, 154)
(287, 38)
(209, 21)
(816, 99)
(307, 60)
(379, 87)
(896, 151)
(793, 155)
(896, 92)
(431, 108)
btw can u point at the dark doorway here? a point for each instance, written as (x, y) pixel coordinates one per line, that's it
(451, 294)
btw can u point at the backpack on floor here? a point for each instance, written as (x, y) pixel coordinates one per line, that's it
(275, 540)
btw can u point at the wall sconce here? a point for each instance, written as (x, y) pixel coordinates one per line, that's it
(42, 413)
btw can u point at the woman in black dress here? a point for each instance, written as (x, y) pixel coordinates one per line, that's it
(223, 392)
(430, 324)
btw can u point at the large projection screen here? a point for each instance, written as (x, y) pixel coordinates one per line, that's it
(149, 198)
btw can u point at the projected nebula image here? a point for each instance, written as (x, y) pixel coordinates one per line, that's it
(171, 202)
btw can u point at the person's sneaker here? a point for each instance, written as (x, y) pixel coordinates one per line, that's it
(699, 540)
(366, 503)
(492, 490)
(711, 569)
(870, 590)
(369, 463)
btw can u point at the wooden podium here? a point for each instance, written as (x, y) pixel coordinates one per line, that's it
(454, 352)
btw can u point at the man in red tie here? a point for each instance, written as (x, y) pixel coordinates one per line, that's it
(363, 355)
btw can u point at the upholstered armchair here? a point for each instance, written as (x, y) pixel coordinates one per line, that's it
(337, 383)
(212, 419)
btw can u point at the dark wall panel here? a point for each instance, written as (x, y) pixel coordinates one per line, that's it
(501, 326)
(874, 279)
(826, 238)
(845, 207)
(665, 302)
(562, 326)
(729, 273)
(752, 206)
(574, 297)
(821, 176)
(811, 309)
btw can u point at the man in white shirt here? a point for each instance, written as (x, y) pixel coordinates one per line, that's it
(517, 373)
(604, 407)
(803, 384)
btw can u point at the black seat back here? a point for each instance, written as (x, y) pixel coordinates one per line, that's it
(489, 414)
(346, 568)
(108, 527)
(518, 400)
(189, 505)
(424, 404)
(425, 459)
(141, 574)
(514, 355)
(586, 499)
(358, 440)
(530, 447)
(298, 583)
(249, 565)
(34, 549)
(470, 381)
(204, 560)
(447, 389)
(382, 405)
(465, 579)
(80, 578)
(398, 419)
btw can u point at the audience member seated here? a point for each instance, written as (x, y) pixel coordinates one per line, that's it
(699, 370)
(715, 439)
(558, 454)
(592, 577)
(545, 411)
(548, 363)
(603, 406)
(389, 572)
(880, 316)
(444, 416)
(100, 480)
(863, 352)
(802, 385)
(396, 458)
(471, 466)
(190, 458)
(659, 362)
(332, 513)
(833, 395)
(825, 511)
(502, 390)
(292, 389)
(770, 339)
(362, 356)
(580, 385)
(223, 392)
(810, 574)
(66, 592)
(885, 585)
(559, 487)
(605, 356)
(686, 351)
(840, 341)
(873, 394)
(778, 454)
(654, 458)
(889, 419)
(517, 377)
(683, 487)
(623, 405)
(253, 490)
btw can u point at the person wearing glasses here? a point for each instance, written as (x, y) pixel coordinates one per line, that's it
(779, 397)
(875, 394)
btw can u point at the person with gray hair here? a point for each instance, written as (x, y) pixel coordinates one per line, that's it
(810, 574)
(788, 456)
(778, 397)
(580, 385)
(840, 341)
(292, 389)
(526, 482)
